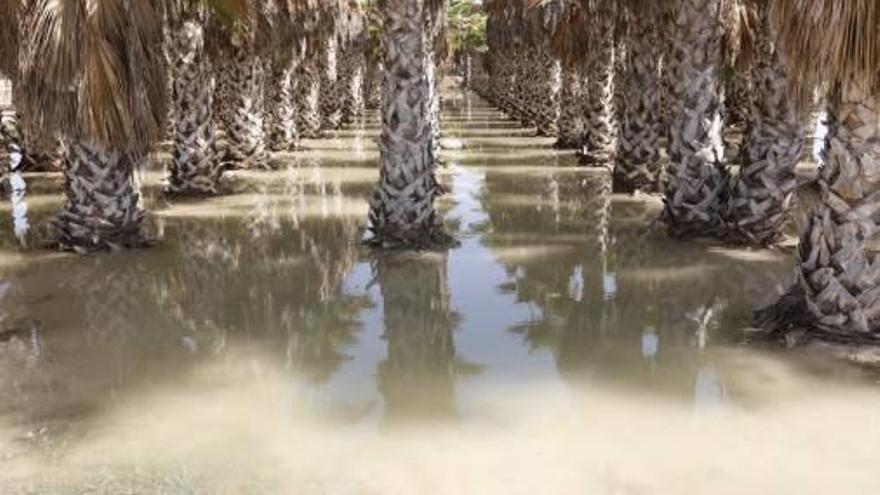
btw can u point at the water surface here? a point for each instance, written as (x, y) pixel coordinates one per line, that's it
(564, 347)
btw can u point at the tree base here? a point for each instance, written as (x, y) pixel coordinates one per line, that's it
(426, 239)
(740, 237)
(65, 240)
(788, 320)
(172, 192)
(566, 144)
(622, 185)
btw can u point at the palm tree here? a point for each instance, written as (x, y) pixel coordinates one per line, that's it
(374, 57)
(466, 27)
(11, 151)
(837, 287)
(599, 142)
(543, 72)
(638, 140)
(503, 37)
(571, 47)
(10, 140)
(402, 210)
(696, 178)
(353, 64)
(435, 44)
(281, 114)
(288, 43)
(763, 196)
(244, 85)
(194, 168)
(307, 95)
(331, 26)
(96, 76)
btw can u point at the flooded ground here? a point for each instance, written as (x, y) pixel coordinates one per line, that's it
(564, 348)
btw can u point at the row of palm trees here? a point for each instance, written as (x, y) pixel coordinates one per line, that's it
(640, 77)
(623, 79)
(223, 80)
(634, 77)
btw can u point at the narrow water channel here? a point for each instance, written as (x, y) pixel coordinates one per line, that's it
(565, 347)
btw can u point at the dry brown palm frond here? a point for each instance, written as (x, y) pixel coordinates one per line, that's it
(747, 34)
(570, 41)
(10, 18)
(94, 70)
(828, 41)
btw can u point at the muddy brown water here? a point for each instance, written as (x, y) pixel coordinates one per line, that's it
(564, 347)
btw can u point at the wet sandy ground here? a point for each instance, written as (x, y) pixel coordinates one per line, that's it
(565, 347)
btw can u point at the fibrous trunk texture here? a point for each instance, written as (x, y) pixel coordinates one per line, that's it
(246, 134)
(547, 84)
(570, 125)
(738, 95)
(519, 93)
(193, 170)
(101, 208)
(511, 86)
(695, 177)
(434, 97)
(417, 378)
(837, 288)
(466, 70)
(308, 97)
(503, 81)
(280, 112)
(331, 110)
(402, 210)
(373, 89)
(638, 141)
(11, 150)
(352, 84)
(621, 66)
(763, 197)
(599, 137)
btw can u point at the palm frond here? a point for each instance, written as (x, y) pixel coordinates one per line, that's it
(829, 41)
(95, 71)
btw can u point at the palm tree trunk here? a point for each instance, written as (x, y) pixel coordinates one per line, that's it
(281, 113)
(737, 99)
(502, 81)
(763, 196)
(352, 84)
(402, 210)
(599, 135)
(508, 85)
(696, 178)
(246, 133)
(638, 142)
(417, 380)
(331, 114)
(193, 170)
(10, 146)
(101, 210)
(308, 97)
(434, 96)
(837, 290)
(373, 98)
(548, 81)
(466, 70)
(622, 51)
(571, 111)
(520, 93)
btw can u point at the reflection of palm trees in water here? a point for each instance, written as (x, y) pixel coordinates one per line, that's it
(417, 377)
(643, 333)
(285, 285)
(278, 276)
